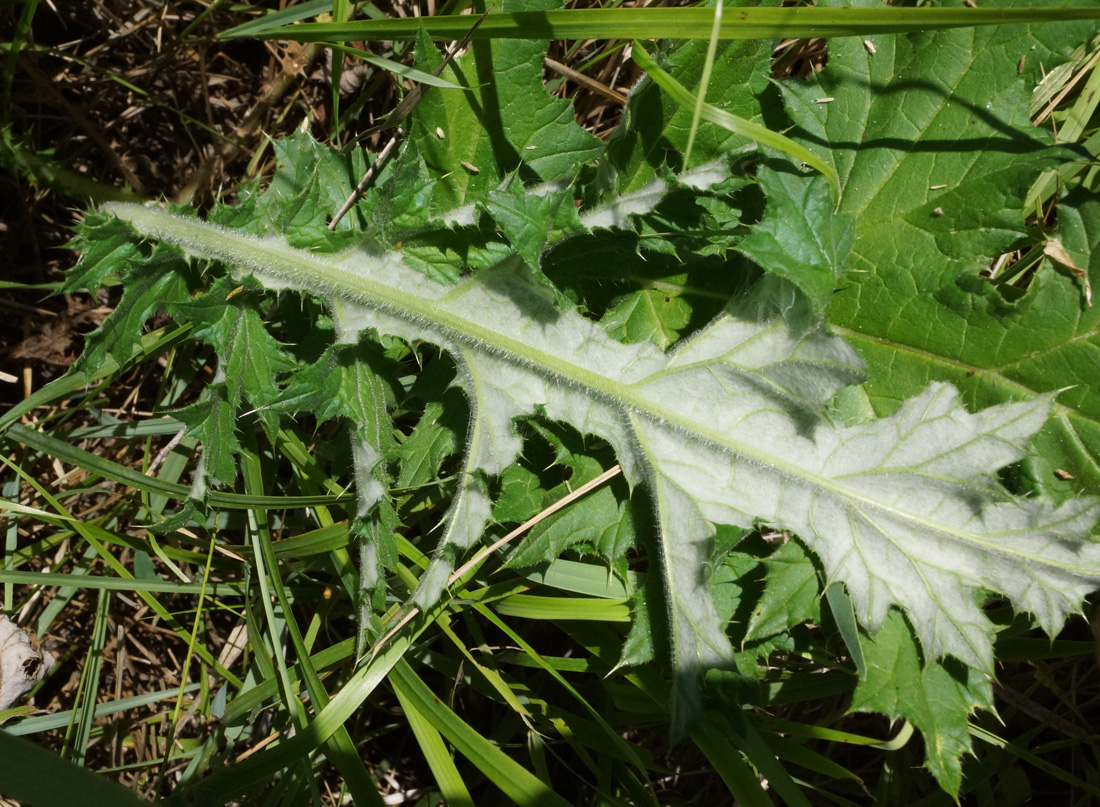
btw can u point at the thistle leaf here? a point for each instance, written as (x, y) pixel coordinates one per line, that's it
(727, 428)
(935, 697)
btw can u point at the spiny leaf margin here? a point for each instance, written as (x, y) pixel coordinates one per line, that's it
(903, 510)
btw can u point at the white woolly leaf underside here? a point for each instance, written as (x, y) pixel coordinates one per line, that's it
(725, 429)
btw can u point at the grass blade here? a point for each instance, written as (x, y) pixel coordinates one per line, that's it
(516, 782)
(733, 123)
(33, 775)
(61, 450)
(673, 23)
(447, 777)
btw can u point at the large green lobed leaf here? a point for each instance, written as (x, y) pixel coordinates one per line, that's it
(931, 137)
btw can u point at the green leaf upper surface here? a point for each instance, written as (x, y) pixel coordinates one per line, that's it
(932, 141)
(505, 121)
(657, 127)
(155, 276)
(801, 237)
(248, 360)
(345, 382)
(791, 596)
(935, 697)
(601, 523)
(353, 382)
(652, 314)
(294, 204)
(532, 220)
(106, 246)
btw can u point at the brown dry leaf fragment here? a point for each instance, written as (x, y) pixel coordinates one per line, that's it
(52, 343)
(22, 662)
(1054, 250)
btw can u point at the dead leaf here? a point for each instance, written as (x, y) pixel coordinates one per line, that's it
(53, 343)
(22, 662)
(1054, 250)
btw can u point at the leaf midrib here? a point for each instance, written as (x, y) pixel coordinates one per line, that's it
(284, 264)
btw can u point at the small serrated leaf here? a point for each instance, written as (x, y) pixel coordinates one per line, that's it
(107, 245)
(935, 697)
(488, 134)
(599, 523)
(657, 128)
(802, 238)
(249, 360)
(792, 593)
(421, 453)
(152, 285)
(648, 315)
(521, 495)
(351, 381)
(532, 218)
